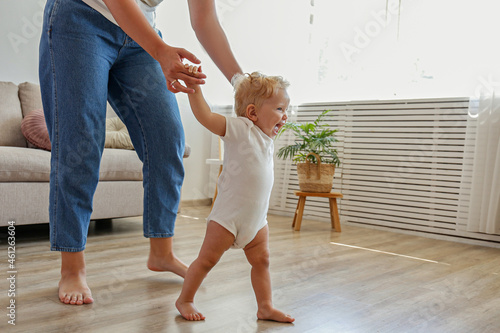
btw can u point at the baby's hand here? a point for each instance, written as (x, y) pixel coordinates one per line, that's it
(195, 70)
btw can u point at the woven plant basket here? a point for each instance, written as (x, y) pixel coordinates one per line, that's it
(315, 177)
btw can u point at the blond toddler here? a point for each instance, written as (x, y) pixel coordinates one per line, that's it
(238, 218)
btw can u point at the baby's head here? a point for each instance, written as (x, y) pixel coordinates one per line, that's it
(262, 99)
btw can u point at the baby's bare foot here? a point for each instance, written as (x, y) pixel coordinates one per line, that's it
(73, 289)
(167, 264)
(274, 314)
(188, 311)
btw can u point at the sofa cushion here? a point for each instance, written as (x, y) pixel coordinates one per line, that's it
(30, 97)
(35, 130)
(10, 116)
(33, 165)
(117, 135)
(24, 165)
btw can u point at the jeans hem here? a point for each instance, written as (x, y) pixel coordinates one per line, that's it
(67, 249)
(159, 235)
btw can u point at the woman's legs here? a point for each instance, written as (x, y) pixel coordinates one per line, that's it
(76, 53)
(74, 62)
(138, 93)
(217, 241)
(82, 55)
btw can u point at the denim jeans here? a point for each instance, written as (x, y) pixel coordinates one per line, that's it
(84, 61)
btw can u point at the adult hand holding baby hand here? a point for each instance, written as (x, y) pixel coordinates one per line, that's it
(171, 62)
(194, 70)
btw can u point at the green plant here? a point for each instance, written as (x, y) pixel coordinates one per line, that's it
(315, 137)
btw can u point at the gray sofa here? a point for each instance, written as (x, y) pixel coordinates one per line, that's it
(25, 170)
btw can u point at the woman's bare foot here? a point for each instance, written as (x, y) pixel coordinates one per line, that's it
(162, 259)
(188, 311)
(274, 314)
(73, 288)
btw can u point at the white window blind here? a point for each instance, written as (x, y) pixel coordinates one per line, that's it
(402, 167)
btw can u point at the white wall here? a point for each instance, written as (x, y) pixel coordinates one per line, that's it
(20, 27)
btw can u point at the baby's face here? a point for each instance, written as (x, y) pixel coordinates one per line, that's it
(271, 116)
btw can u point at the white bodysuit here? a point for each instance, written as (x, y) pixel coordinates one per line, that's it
(245, 184)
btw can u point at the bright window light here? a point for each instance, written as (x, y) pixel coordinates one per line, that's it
(333, 50)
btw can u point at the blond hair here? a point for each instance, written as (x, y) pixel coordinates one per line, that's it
(254, 89)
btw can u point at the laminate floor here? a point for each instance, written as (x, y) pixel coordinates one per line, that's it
(360, 280)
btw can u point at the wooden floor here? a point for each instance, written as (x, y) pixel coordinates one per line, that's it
(360, 280)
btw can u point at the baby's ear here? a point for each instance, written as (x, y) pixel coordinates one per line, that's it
(251, 112)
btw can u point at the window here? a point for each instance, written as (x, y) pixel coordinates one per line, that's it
(335, 50)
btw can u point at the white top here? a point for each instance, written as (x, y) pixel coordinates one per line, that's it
(148, 7)
(245, 184)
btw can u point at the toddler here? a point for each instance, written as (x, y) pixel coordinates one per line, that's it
(238, 218)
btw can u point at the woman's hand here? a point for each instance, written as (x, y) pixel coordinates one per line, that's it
(171, 62)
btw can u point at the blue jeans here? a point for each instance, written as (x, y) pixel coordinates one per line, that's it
(84, 61)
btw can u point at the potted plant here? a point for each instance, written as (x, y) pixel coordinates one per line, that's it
(314, 153)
